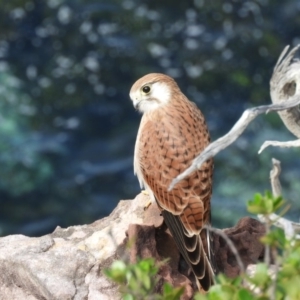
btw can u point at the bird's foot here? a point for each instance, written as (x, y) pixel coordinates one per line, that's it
(145, 192)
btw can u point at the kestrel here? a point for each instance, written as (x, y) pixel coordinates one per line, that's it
(171, 134)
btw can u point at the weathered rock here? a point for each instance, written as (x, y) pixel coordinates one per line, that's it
(245, 235)
(158, 243)
(69, 263)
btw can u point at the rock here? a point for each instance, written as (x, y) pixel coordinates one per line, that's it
(158, 243)
(245, 236)
(69, 263)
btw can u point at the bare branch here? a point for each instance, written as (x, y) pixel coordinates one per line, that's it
(288, 144)
(239, 127)
(284, 224)
(285, 95)
(274, 177)
(230, 245)
(274, 278)
(288, 226)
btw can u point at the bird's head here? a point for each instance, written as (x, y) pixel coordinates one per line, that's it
(152, 91)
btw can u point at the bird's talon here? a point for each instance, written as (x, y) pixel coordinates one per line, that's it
(147, 205)
(145, 192)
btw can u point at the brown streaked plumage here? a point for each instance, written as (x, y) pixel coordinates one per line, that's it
(171, 134)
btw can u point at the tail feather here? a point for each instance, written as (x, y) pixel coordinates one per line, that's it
(192, 250)
(191, 243)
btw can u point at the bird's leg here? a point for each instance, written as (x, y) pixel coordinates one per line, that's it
(145, 192)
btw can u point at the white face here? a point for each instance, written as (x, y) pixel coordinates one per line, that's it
(150, 96)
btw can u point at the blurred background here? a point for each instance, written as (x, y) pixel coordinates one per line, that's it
(67, 126)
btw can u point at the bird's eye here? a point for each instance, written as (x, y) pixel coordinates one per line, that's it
(146, 89)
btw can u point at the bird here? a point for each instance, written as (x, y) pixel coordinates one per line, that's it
(171, 134)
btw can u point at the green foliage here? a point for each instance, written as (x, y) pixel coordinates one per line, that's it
(264, 204)
(137, 281)
(265, 283)
(226, 288)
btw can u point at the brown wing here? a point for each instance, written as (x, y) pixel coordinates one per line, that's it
(170, 139)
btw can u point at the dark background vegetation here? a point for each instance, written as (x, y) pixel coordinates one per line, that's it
(67, 126)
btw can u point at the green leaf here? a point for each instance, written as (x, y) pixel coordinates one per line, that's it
(221, 292)
(261, 278)
(171, 293)
(167, 288)
(128, 297)
(291, 287)
(199, 296)
(245, 294)
(256, 205)
(117, 272)
(275, 238)
(264, 205)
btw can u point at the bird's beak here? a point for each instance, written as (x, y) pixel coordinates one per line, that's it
(136, 104)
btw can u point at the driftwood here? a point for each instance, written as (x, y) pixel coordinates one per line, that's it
(285, 95)
(285, 83)
(285, 105)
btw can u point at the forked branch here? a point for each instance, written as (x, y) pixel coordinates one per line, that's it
(285, 95)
